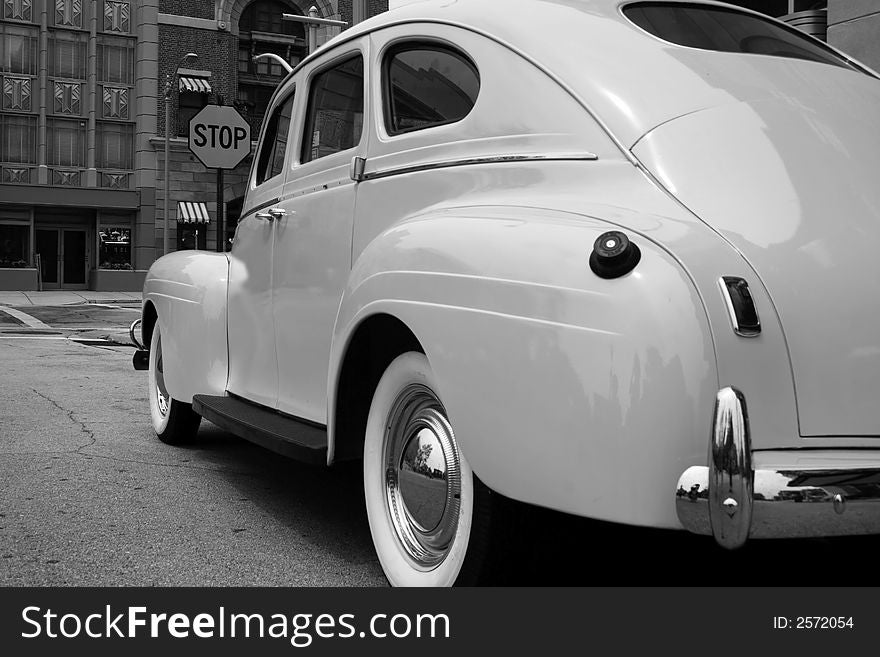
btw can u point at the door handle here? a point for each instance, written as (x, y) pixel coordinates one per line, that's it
(273, 214)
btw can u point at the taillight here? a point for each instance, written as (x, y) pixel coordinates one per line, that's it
(741, 306)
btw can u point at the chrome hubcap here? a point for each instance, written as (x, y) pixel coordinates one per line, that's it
(162, 399)
(422, 476)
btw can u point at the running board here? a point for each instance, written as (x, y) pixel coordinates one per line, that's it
(297, 439)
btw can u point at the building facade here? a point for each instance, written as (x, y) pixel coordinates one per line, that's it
(70, 114)
(852, 26)
(83, 132)
(82, 127)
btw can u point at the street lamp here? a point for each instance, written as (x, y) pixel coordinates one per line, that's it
(169, 80)
(275, 58)
(313, 21)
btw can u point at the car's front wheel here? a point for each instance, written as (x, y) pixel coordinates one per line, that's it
(173, 421)
(433, 522)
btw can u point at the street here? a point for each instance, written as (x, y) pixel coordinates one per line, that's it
(89, 496)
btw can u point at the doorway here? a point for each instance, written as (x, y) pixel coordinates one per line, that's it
(192, 236)
(63, 258)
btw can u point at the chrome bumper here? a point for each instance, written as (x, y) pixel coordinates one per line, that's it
(141, 358)
(733, 502)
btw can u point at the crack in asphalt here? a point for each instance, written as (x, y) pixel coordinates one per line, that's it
(70, 416)
(93, 439)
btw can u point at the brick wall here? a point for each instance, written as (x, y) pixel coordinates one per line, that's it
(216, 51)
(373, 7)
(376, 7)
(194, 8)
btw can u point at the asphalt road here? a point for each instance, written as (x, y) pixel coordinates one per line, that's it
(89, 496)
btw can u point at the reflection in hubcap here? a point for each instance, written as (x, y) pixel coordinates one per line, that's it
(422, 479)
(422, 476)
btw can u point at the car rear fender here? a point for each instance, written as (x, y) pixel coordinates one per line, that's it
(565, 390)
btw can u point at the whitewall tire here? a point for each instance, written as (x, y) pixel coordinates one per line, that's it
(429, 515)
(173, 421)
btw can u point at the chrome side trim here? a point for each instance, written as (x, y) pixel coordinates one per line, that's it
(730, 470)
(485, 159)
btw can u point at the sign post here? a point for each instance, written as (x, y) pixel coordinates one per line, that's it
(221, 138)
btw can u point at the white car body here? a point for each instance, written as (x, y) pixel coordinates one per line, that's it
(587, 395)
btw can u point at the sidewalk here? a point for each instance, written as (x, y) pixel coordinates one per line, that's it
(66, 297)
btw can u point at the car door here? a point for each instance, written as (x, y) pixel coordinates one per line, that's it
(313, 240)
(253, 364)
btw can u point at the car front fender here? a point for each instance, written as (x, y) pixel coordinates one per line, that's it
(187, 292)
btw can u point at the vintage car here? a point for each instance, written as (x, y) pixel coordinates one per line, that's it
(613, 258)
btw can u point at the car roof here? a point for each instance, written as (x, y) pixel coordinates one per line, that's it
(629, 80)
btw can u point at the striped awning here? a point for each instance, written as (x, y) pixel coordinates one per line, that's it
(198, 85)
(192, 213)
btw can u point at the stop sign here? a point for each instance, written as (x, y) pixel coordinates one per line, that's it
(220, 137)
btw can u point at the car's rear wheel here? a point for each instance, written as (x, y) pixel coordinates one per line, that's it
(430, 517)
(173, 421)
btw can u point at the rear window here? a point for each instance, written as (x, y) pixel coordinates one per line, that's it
(727, 30)
(427, 85)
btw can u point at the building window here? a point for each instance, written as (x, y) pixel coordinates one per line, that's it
(190, 103)
(67, 143)
(114, 250)
(18, 139)
(253, 100)
(262, 30)
(115, 145)
(19, 49)
(67, 55)
(266, 16)
(14, 239)
(427, 86)
(336, 110)
(19, 10)
(116, 60)
(192, 236)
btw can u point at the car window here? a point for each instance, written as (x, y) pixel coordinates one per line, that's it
(727, 30)
(335, 116)
(427, 85)
(273, 150)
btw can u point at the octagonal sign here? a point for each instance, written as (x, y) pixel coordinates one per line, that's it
(220, 137)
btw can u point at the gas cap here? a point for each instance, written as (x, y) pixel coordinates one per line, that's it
(614, 255)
